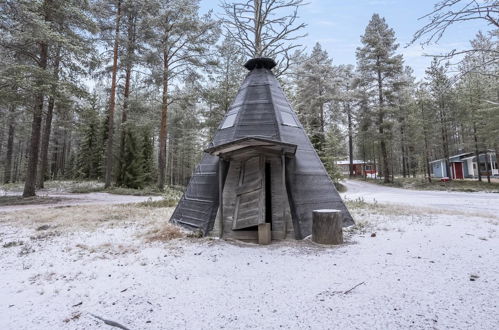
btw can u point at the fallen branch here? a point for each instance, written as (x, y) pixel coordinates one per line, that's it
(109, 322)
(348, 291)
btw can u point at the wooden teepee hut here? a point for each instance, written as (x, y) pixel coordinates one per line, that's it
(259, 168)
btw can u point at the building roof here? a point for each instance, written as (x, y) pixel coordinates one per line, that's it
(467, 155)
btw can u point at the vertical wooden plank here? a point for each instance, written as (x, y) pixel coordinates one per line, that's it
(284, 195)
(264, 234)
(220, 195)
(262, 192)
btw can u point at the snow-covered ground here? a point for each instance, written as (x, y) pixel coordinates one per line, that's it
(479, 202)
(430, 264)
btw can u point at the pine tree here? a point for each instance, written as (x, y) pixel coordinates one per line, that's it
(225, 78)
(440, 89)
(132, 170)
(32, 29)
(314, 93)
(147, 148)
(178, 40)
(345, 97)
(379, 66)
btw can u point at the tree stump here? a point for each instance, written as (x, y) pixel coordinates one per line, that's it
(327, 226)
(264, 234)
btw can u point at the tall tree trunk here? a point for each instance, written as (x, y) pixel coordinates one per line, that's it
(426, 149)
(2, 135)
(350, 139)
(163, 130)
(18, 160)
(36, 125)
(112, 101)
(322, 135)
(403, 149)
(258, 27)
(10, 145)
(48, 124)
(381, 115)
(477, 151)
(444, 135)
(487, 165)
(126, 91)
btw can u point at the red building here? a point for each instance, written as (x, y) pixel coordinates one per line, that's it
(360, 168)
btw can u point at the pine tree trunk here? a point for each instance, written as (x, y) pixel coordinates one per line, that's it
(112, 102)
(48, 125)
(2, 135)
(322, 137)
(350, 139)
(487, 165)
(163, 130)
(36, 125)
(477, 151)
(126, 91)
(18, 158)
(403, 151)
(426, 151)
(10, 146)
(445, 141)
(384, 152)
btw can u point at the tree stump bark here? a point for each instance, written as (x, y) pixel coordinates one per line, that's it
(327, 226)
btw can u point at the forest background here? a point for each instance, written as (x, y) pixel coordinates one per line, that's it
(130, 92)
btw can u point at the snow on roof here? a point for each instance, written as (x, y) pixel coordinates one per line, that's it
(459, 155)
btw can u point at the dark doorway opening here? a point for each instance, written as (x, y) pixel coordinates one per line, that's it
(268, 195)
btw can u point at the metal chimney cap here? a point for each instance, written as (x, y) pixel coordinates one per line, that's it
(259, 63)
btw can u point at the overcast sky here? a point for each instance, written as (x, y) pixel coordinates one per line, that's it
(338, 24)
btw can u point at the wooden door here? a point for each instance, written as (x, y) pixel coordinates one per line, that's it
(458, 170)
(250, 194)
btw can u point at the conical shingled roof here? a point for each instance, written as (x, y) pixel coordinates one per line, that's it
(261, 110)
(253, 111)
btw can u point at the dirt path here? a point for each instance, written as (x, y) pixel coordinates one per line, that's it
(443, 200)
(69, 199)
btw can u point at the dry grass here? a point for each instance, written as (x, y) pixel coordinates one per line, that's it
(150, 221)
(18, 200)
(360, 206)
(87, 217)
(165, 232)
(467, 185)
